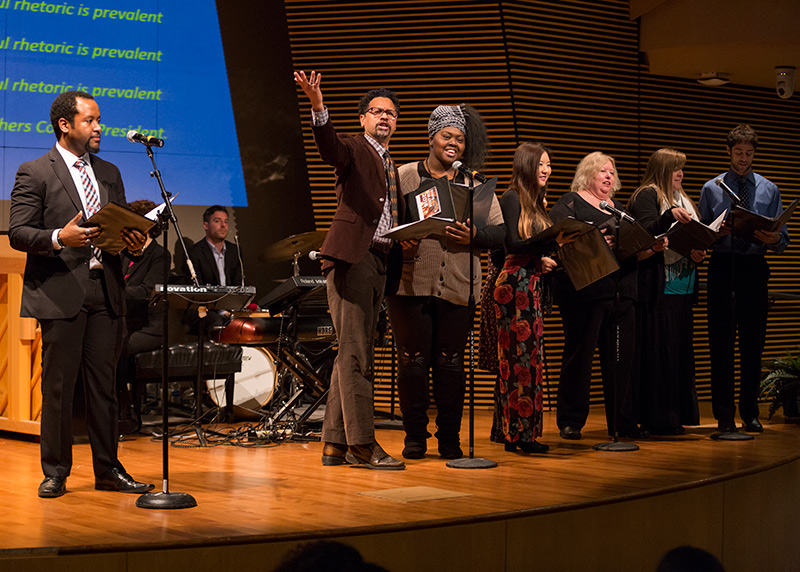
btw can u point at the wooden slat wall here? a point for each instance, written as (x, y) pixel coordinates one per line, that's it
(565, 73)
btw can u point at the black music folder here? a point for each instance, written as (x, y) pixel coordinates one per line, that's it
(587, 258)
(112, 218)
(747, 222)
(693, 235)
(429, 209)
(633, 237)
(483, 196)
(437, 204)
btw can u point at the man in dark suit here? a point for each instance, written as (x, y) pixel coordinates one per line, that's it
(74, 290)
(216, 260)
(355, 263)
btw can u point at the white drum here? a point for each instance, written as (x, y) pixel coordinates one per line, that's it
(253, 386)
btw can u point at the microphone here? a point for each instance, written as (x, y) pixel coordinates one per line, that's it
(733, 196)
(239, 254)
(148, 140)
(314, 255)
(467, 171)
(616, 212)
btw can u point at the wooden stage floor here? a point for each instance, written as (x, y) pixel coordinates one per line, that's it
(280, 494)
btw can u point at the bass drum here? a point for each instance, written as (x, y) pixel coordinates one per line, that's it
(253, 386)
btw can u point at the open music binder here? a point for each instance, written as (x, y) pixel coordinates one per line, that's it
(633, 238)
(747, 222)
(437, 204)
(587, 258)
(112, 218)
(693, 235)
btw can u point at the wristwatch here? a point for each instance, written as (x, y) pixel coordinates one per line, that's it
(58, 240)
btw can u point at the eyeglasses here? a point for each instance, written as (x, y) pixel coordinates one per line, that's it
(378, 111)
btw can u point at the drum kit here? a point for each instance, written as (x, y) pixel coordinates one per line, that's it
(288, 349)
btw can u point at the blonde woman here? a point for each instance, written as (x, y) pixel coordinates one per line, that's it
(590, 315)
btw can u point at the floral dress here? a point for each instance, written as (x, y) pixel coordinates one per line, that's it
(520, 327)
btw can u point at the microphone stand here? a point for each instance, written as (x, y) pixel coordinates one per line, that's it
(735, 201)
(166, 499)
(616, 444)
(471, 462)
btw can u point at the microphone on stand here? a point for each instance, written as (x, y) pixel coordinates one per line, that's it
(470, 172)
(239, 254)
(148, 140)
(728, 191)
(616, 212)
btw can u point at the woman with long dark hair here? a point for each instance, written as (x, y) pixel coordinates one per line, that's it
(519, 301)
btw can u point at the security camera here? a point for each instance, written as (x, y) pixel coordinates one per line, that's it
(784, 81)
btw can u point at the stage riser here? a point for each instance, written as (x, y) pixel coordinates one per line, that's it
(748, 522)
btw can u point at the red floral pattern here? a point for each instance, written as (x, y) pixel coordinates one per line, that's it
(520, 327)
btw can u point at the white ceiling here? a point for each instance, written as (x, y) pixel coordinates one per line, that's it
(744, 39)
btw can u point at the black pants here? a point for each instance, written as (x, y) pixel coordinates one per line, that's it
(136, 342)
(89, 342)
(588, 325)
(431, 335)
(741, 309)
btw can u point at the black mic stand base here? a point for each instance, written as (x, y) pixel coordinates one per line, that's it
(731, 436)
(394, 424)
(616, 446)
(166, 500)
(471, 463)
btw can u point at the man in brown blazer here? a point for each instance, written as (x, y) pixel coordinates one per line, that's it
(74, 290)
(355, 262)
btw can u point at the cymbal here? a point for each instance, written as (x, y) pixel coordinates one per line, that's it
(286, 248)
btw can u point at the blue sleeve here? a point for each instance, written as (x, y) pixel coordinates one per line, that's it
(775, 209)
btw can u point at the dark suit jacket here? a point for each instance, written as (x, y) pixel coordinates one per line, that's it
(360, 192)
(146, 272)
(43, 199)
(206, 266)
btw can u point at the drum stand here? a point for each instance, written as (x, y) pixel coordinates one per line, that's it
(289, 359)
(296, 363)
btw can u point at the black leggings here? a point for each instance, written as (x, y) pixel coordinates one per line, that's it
(430, 334)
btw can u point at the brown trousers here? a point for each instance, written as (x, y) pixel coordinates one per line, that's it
(355, 294)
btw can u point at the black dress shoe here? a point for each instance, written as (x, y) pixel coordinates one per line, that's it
(372, 456)
(570, 433)
(120, 481)
(450, 450)
(668, 431)
(53, 487)
(527, 447)
(415, 449)
(726, 427)
(753, 426)
(633, 433)
(334, 454)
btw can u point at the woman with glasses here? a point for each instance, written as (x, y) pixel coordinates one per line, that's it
(429, 314)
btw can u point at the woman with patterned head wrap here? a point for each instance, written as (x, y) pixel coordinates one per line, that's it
(429, 314)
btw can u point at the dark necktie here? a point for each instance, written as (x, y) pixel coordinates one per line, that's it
(744, 197)
(92, 198)
(391, 182)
